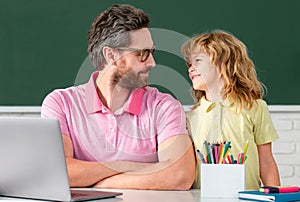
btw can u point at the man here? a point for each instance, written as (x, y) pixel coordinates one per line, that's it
(117, 131)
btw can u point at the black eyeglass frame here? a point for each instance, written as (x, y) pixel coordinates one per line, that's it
(144, 53)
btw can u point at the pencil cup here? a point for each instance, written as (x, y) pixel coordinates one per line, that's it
(222, 180)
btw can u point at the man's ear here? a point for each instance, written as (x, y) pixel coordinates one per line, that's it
(108, 54)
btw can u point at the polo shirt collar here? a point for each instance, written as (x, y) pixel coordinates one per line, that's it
(207, 105)
(135, 101)
(94, 104)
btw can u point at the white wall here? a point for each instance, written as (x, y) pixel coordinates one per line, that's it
(286, 149)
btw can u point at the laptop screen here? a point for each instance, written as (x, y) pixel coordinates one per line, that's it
(33, 161)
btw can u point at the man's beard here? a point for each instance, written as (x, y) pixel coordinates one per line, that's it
(131, 80)
(125, 77)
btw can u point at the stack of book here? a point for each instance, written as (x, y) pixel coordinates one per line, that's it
(284, 193)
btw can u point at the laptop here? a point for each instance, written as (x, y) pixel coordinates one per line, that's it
(33, 162)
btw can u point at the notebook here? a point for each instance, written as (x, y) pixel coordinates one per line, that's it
(260, 196)
(33, 162)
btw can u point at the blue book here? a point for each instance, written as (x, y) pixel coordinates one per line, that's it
(260, 196)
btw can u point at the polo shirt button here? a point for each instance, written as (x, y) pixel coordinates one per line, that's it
(112, 130)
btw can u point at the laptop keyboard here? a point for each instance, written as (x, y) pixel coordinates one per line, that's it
(73, 194)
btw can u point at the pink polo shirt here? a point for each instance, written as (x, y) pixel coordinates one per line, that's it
(132, 133)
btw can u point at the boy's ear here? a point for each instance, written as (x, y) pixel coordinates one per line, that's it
(108, 54)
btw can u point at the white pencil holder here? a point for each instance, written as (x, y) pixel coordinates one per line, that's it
(222, 180)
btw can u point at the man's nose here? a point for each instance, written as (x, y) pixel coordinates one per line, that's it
(151, 61)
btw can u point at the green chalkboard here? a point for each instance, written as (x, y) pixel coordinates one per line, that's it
(43, 43)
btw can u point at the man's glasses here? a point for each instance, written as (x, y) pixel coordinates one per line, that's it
(143, 53)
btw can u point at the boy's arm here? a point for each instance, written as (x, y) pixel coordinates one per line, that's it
(268, 168)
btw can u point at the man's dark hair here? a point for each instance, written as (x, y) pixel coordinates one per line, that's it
(111, 28)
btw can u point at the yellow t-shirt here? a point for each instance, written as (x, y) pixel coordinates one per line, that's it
(220, 121)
